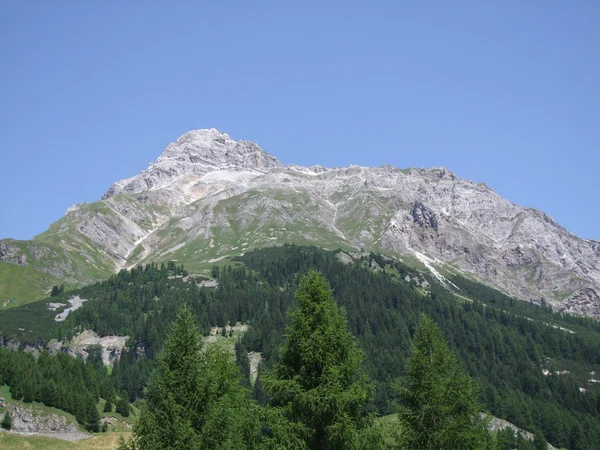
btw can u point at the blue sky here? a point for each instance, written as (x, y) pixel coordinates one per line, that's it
(508, 94)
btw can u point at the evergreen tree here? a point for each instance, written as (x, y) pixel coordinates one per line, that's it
(540, 440)
(439, 407)
(317, 379)
(6, 421)
(194, 397)
(107, 406)
(524, 444)
(92, 416)
(505, 439)
(122, 405)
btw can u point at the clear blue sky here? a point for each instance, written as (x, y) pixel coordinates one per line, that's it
(508, 94)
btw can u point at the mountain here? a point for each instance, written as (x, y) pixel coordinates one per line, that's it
(208, 198)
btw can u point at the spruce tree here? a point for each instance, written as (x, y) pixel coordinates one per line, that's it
(439, 407)
(540, 440)
(317, 380)
(7, 421)
(122, 405)
(92, 416)
(194, 397)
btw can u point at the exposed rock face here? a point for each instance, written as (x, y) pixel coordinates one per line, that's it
(208, 197)
(33, 421)
(111, 346)
(11, 253)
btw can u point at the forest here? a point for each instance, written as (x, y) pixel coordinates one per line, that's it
(530, 365)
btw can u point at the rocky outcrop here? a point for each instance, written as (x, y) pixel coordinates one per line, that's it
(11, 253)
(111, 346)
(34, 421)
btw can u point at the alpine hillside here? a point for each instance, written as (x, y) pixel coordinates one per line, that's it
(208, 198)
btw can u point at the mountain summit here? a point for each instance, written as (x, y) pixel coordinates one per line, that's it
(208, 198)
(197, 152)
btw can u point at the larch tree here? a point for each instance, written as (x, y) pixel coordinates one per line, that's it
(317, 381)
(439, 407)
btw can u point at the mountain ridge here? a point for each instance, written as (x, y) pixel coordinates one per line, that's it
(208, 197)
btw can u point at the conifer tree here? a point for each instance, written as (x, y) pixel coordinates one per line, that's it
(194, 397)
(6, 421)
(317, 379)
(92, 416)
(439, 407)
(122, 405)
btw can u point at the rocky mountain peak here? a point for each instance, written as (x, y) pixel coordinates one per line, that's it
(198, 152)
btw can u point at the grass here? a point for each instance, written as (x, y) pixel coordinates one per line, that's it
(22, 284)
(101, 441)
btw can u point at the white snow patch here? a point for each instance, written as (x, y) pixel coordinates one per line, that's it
(76, 303)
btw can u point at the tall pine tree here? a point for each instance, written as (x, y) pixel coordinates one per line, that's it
(194, 397)
(317, 380)
(439, 407)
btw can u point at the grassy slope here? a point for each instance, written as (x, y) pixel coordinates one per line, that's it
(97, 441)
(20, 285)
(104, 441)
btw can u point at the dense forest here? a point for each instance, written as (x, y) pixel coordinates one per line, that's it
(62, 381)
(504, 344)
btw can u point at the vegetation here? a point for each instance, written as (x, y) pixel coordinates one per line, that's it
(503, 344)
(317, 379)
(104, 441)
(61, 381)
(6, 421)
(438, 402)
(195, 401)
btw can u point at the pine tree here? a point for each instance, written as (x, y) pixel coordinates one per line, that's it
(194, 397)
(439, 407)
(107, 406)
(92, 416)
(122, 405)
(540, 440)
(505, 439)
(6, 421)
(317, 379)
